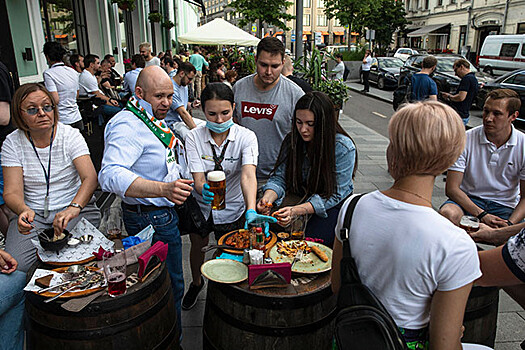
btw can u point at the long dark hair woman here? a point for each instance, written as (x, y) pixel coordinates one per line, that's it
(314, 170)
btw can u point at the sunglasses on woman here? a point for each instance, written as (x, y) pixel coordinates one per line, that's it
(34, 110)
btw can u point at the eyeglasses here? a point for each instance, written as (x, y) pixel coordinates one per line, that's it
(34, 110)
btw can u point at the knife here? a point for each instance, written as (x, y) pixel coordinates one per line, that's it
(58, 285)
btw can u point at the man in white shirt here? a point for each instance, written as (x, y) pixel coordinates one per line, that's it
(144, 164)
(339, 68)
(145, 51)
(489, 175)
(77, 62)
(62, 82)
(130, 78)
(365, 69)
(89, 88)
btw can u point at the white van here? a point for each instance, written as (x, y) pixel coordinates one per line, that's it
(502, 53)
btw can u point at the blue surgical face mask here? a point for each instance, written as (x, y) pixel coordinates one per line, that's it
(219, 128)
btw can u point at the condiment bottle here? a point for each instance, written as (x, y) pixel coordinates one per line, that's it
(259, 239)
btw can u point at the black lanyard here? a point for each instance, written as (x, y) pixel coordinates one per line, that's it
(47, 174)
(218, 160)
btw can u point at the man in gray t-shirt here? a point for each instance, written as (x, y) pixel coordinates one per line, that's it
(265, 101)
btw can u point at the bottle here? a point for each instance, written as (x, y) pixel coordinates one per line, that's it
(259, 239)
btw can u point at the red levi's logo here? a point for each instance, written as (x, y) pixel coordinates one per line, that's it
(258, 110)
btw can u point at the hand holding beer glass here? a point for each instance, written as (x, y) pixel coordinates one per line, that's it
(469, 223)
(217, 182)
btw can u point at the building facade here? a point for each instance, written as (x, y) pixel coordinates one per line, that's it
(85, 26)
(459, 26)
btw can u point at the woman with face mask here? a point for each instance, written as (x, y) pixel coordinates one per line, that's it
(220, 145)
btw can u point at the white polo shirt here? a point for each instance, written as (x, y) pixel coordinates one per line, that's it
(241, 150)
(64, 80)
(489, 172)
(88, 84)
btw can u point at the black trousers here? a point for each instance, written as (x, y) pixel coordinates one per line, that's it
(366, 74)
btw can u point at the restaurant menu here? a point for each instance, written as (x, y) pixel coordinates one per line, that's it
(77, 253)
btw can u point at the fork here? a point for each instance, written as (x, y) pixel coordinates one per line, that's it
(298, 257)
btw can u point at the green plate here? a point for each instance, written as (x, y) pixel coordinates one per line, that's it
(224, 271)
(316, 266)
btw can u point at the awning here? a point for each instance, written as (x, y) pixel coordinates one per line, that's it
(60, 36)
(427, 30)
(278, 33)
(307, 32)
(339, 33)
(354, 33)
(325, 33)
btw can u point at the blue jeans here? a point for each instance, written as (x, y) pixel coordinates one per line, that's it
(490, 207)
(12, 310)
(165, 222)
(105, 113)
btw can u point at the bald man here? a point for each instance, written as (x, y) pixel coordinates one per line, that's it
(144, 164)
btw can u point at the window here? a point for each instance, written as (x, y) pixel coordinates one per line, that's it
(462, 34)
(321, 20)
(307, 3)
(337, 23)
(306, 20)
(509, 50)
(320, 4)
(453, 1)
(426, 4)
(521, 28)
(440, 2)
(518, 79)
(523, 49)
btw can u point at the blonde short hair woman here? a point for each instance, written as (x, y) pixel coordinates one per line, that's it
(417, 263)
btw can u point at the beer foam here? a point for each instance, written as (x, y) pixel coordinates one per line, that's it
(216, 176)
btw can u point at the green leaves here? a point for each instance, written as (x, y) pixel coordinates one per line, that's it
(267, 11)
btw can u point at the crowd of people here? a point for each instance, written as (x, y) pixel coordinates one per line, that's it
(280, 145)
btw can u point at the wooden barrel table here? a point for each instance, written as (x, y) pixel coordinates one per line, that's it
(481, 315)
(143, 318)
(297, 317)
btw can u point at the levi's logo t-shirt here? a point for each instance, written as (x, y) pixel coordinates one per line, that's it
(258, 110)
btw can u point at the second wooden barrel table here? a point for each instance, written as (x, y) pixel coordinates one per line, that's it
(143, 318)
(297, 317)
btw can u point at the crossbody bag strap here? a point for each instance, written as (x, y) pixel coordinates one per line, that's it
(349, 272)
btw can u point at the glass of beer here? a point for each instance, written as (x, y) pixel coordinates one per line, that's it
(113, 222)
(469, 223)
(298, 225)
(115, 272)
(217, 183)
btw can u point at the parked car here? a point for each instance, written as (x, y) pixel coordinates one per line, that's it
(404, 53)
(444, 75)
(502, 53)
(384, 72)
(333, 49)
(513, 80)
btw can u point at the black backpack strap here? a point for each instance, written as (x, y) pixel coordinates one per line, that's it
(349, 272)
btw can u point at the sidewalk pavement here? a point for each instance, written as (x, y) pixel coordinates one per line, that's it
(372, 174)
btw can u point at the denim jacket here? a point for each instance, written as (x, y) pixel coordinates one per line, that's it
(344, 166)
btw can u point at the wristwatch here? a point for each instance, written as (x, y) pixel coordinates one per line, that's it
(76, 205)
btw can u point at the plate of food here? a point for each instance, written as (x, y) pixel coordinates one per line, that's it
(316, 257)
(240, 239)
(57, 276)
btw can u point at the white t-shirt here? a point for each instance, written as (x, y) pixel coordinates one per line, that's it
(492, 173)
(366, 66)
(68, 145)
(64, 80)
(155, 61)
(405, 252)
(339, 70)
(241, 150)
(88, 84)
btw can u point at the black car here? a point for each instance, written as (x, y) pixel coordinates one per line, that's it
(384, 72)
(444, 75)
(514, 80)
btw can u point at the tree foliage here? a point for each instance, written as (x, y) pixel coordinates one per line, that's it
(385, 17)
(272, 12)
(348, 12)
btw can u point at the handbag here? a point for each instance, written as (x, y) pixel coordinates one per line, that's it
(191, 219)
(362, 321)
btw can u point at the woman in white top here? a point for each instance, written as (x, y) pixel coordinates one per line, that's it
(419, 265)
(220, 145)
(49, 176)
(62, 82)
